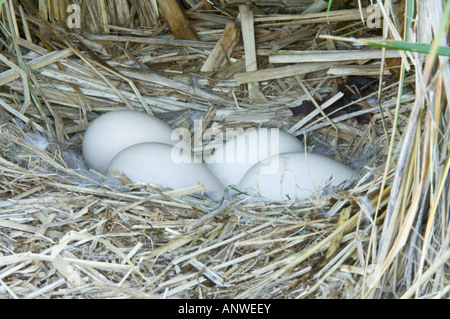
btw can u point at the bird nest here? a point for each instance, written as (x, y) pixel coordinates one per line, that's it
(66, 232)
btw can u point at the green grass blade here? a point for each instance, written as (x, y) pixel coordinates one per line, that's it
(329, 6)
(408, 46)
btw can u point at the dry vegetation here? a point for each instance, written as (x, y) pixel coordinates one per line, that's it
(66, 233)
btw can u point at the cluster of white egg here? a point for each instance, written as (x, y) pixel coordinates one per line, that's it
(268, 162)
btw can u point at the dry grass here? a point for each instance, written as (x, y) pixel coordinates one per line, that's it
(66, 232)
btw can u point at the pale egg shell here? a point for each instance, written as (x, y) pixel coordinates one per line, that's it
(114, 131)
(231, 161)
(295, 175)
(166, 166)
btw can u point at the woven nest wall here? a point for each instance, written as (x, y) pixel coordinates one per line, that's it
(66, 233)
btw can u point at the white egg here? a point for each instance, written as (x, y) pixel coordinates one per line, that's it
(166, 166)
(295, 175)
(112, 132)
(231, 161)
